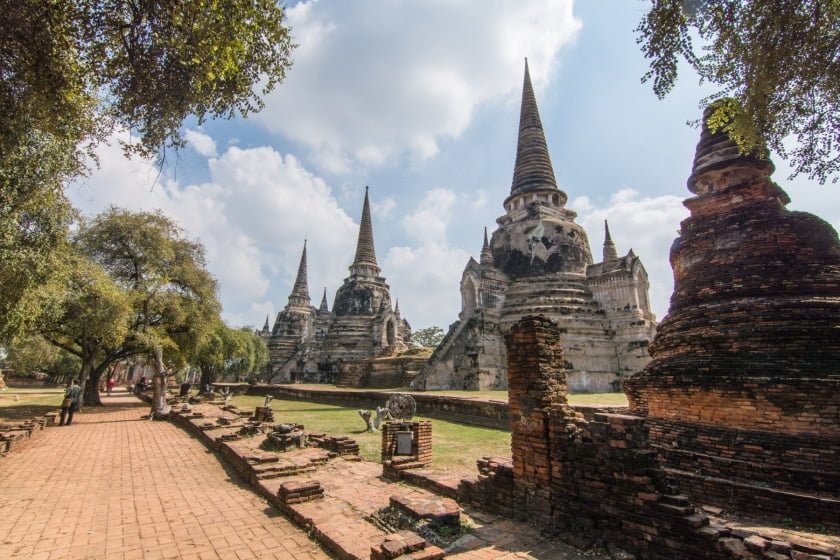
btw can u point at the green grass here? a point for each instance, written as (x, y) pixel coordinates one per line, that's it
(455, 447)
(22, 404)
(46, 396)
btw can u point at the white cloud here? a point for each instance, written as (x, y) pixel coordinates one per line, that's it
(426, 279)
(201, 143)
(479, 199)
(372, 86)
(431, 218)
(648, 225)
(384, 208)
(251, 215)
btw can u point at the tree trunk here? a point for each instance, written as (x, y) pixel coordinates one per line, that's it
(206, 379)
(84, 373)
(91, 391)
(159, 407)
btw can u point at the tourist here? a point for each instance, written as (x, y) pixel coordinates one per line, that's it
(72, 398)
(110, 384)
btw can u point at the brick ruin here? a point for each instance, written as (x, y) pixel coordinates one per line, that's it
(738, 408)
(418, 456)
(538, 261)
(742, 396)
(594, 481)
(316, 345)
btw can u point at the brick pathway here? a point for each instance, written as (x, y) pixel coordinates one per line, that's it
(114, 486)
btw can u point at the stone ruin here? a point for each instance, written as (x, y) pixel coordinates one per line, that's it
(538, 261)
(597, 481)
(738, 408)
(742, 397)
(316, 345)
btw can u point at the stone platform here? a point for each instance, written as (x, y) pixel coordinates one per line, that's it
(14, 434)
(335, 498)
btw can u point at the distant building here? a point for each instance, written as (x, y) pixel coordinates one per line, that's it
(308, 344)
(538, 261)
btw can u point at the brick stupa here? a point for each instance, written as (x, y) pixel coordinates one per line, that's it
(743, 391)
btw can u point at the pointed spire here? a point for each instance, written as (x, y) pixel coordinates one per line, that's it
(364, 264)
(610, 253)
(324, 307)
(397, 307)
(486, 254)
(265, 327)
(533, 170)
(300, 291)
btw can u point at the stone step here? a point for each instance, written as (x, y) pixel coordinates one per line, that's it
(676, 500)
(696, 520)
(282, 472)
(405, 545)
(676, 510)
(408, 465)
(438, 510)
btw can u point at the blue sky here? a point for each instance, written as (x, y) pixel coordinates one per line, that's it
(420, 100)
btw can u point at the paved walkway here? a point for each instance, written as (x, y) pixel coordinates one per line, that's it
(115, 486)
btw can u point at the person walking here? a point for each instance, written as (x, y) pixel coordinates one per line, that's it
(72, 398)
(110, 385)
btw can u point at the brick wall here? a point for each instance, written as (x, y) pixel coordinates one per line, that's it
(536, 386)
(604, 481)
(492, 489)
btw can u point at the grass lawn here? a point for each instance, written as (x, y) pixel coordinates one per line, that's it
(455, 447)
(31, 396)
(16, 404)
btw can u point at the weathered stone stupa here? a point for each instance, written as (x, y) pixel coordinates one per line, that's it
(538, 262)
(294, 324)
(743, 392)
(315, 345)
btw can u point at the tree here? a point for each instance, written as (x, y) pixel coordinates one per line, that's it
(429, 337)
(253, 358)
(776, 62)
(227, 351)
(34, 220)
(74, 71)
(170, 295)
(34, 354)
(91, 315)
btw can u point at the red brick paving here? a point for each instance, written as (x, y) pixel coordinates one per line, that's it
(356, 489)
(115, 486)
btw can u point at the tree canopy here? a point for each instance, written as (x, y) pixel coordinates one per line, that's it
(74, 71)
(131, 284)
(227, 351)
(777, 62)
(429, 337)
(33, 354)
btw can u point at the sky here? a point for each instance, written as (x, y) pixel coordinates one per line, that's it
(420, 101)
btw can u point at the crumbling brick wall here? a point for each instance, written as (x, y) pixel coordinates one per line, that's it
(603, 482)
